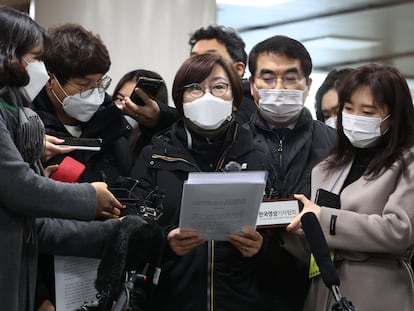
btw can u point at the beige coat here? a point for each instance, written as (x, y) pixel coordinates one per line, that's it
(373, 241)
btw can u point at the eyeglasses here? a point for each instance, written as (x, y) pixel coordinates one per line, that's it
(87, 89)
(195, 90)
(288, 81)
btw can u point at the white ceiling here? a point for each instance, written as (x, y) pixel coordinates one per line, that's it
(387, 24)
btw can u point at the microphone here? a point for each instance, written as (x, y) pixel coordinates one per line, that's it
(320, 250)
(232, 166)
(124, 296)
(130, 260)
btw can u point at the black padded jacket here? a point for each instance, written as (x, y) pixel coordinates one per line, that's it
(214, 276)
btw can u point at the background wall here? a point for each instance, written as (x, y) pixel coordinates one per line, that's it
(147, 34)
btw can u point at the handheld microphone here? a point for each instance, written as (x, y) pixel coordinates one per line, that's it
(232, 166)
(320, 250)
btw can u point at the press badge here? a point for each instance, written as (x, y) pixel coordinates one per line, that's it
(313, 267)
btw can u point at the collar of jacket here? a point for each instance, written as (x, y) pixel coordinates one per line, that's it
(107, 123)
(169, 152)
(304, 121)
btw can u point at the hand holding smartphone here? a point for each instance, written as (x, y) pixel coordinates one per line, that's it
(90, 144)
(150, 86)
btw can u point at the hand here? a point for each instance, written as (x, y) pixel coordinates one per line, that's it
(183, 242)
(108, 205)
(146, 115)
(249, 242)
(50, 169)
(308, 206)
(46, 306)
(52, 148)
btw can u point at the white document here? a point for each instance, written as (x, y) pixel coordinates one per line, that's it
(218, 204)
(74, 281)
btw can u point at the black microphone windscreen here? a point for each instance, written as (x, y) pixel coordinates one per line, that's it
(133, 244)
(145, 245)
(319, 249)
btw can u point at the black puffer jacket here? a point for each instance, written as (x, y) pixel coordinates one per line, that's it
(247, 106)
(214, 276)
(295, 155)
(113, 160)
(293, 158)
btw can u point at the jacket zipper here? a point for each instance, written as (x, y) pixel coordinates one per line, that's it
(211, 280)
(280, 151)
(281, 173)
(220, 164)
(172, 159)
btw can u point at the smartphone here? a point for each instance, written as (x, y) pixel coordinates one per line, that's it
(150, 86)
(327, 198)
(91, 144)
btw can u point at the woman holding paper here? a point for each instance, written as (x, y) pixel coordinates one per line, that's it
(372, 172)
(198, 274)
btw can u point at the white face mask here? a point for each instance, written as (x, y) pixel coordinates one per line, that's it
(280, 105)
(331, 122)
(208, 112)
(38, 78)
(362, 131)
(81, 108)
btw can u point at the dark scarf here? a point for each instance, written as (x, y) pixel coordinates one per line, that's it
(26, 126)
(205, 151)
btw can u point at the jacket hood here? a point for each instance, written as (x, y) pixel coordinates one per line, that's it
(171, 148)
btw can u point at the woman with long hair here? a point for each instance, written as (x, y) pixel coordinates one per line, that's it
(372, 172)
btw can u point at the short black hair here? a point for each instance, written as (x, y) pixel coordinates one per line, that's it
(281, 45)
(75, 52)
(226, 35)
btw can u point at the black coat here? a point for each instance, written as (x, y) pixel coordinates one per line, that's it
(186, 282)
(295, 155)
(293, 158)
(248, 106)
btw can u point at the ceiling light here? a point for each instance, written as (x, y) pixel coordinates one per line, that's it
(254, 3)
(340, 43)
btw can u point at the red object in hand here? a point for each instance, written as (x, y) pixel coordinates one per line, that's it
(69, 170)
